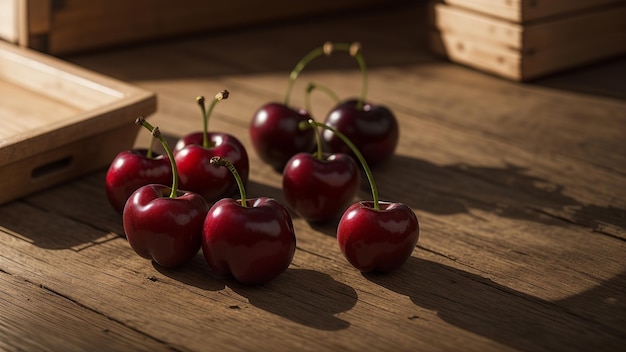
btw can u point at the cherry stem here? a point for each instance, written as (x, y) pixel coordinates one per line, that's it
(318, 141)
(354, 49)
(355, 150)
(156, 133)
(149, 153)
(326, 89)
(218, 161)
(206, 114)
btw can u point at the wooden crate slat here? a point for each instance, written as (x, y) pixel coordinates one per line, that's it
(522, 11)
(527, 51)
(460, 22)
(69, 26)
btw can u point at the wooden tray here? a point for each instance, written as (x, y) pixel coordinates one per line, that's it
(59, 121)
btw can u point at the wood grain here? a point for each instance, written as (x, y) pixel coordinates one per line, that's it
(518, 189)
(522, 11)
(59, 118)
(526, 51)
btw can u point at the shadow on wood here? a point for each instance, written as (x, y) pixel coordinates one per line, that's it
(307, 297)
(513, 318)
(507, 192)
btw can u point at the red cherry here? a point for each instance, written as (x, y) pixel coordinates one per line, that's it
(253, 244)
(320, 189)
(164, 228)
(378, 240)
(251, 240)
(372, 128)
(275, 134)
(374, 235)
(132, 169)
(193, 155)
(195, 169)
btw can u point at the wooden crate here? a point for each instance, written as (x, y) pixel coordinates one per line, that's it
(524, 40)
(59, 121)
(66, 26)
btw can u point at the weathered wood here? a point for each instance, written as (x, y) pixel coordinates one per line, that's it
(518, 188)
(35, 319)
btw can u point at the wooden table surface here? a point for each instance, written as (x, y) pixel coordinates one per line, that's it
(519, 190)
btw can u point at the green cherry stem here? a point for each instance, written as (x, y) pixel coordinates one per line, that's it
(156, 133)
(149, 153)
(318, 141)
(206, 114)
(217, 161)
(354, 49)
(368, 172)
(355, 52)
(309, 89)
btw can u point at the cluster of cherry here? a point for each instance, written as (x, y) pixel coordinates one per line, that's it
(253, 240)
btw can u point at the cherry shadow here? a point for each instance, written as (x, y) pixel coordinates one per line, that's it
(593, 319)
(72, 215)
(306, 297)
(507, 192)
(194, 273)
(77, 213)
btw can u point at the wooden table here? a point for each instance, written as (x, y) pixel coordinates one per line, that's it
(519, 189)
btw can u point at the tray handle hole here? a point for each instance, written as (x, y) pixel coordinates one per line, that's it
(51, 167)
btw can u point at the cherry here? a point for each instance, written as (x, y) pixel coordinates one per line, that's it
(319, 186)
(374, 235)
(252, 240)
(164, 228)
(193, 155)
(275, 135)
(131, 169)
(372, 128)
(274, 128)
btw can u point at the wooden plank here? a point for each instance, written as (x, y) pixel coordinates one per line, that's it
(586, 50)
(474, 53)
(522, 11)
(107, 23)
(36, 318)
(459, 22)
(9, 20)
(584, 27)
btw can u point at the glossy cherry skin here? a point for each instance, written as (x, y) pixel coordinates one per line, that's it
(373, 129)
(196, 172)
(166, 230)
(253, 244)
(132, 169)
(320, 189)
(275, 134)
(377, 240)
